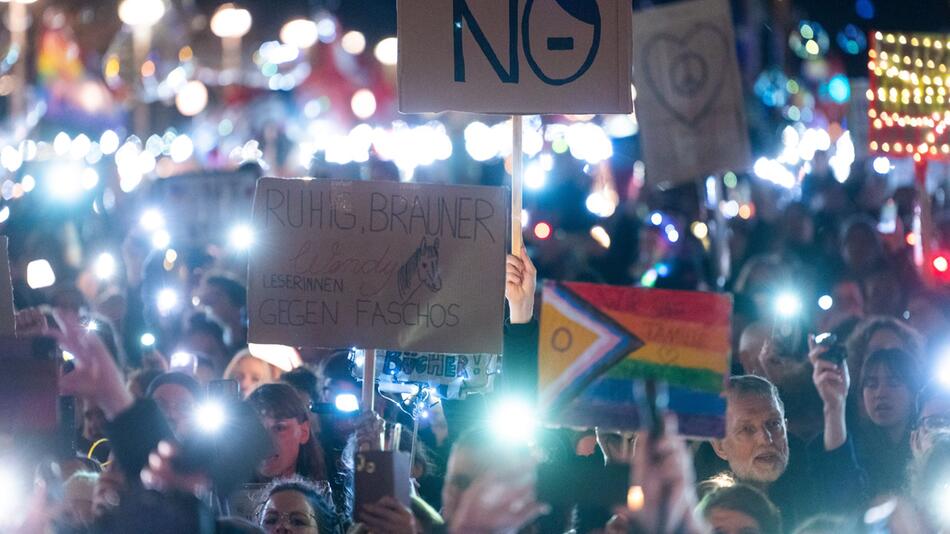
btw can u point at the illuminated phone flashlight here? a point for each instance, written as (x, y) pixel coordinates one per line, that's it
(166, 301)
(152, 220)
(183, 360)
(346, 402)
(147, 339)
(105, 266)
(514, 420)
(787, 305)
(241, 237)
(210, 416)
(12, 492)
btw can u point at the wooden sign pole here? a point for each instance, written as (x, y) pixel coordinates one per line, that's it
(369, 380)
(517, 178)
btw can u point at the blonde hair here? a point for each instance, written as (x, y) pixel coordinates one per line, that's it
(244, 354)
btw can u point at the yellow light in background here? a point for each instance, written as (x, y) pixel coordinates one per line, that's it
(148, 69)
(112, 66)
(185, 54)
(700, 230)
(353, 42)
(600, 235)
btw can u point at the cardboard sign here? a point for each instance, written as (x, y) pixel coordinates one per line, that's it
(383, 265)
(205, 203)
(514, 56)
(908, 112)
(7, 317)
(596, 339)
(689, 93)
(453, 375)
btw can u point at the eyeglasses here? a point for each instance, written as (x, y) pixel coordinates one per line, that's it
(934, 422)
(272, 518)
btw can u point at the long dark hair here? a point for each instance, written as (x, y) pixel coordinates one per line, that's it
(280, 401)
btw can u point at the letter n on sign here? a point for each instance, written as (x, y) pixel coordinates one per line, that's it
(514, 56)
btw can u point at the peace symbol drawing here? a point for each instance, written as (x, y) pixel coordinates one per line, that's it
(686, 71)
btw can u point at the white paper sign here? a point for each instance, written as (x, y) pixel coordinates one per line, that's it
(514, 56)
(689, 93)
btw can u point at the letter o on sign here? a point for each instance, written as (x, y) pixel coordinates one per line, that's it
(561, 339)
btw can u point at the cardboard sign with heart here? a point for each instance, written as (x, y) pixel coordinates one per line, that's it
(689, 94)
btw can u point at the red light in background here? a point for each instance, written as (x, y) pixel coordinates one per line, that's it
(940, 263)
(542, 230)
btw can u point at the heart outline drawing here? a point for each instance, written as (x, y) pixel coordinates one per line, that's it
(688, 57)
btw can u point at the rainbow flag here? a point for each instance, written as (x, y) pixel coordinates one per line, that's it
(596, 340)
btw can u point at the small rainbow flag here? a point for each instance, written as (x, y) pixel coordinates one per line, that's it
(595, 340)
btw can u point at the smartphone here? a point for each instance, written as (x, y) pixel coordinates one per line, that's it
(788, 337)
(836, 352)
(183, 362)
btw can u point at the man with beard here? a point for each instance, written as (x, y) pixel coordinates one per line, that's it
(757, 448)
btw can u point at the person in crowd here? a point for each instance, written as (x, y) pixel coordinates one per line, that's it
(862, 249)
(740, 509)
(223, 298)
(872, 334)
(756, 446)
(176, 395)
(204, 336)
(928, 487)
(250, 372)
(304, 382)
(827, 524)
(478, 463)
(933, 418)
(890, 381)
(139, 380)
(294, 505)
(93, 430)
(77, 513)
(296, 450)
(337, 430)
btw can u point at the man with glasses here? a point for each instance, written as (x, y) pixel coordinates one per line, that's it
(933, 418)
(757, 449)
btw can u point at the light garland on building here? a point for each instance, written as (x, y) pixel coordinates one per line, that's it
(908, 95)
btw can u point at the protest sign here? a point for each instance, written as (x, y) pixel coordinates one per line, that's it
(519, 56)
(453, 376)
(689, 93)
(858, 117)
(204, 203)
(908, 107)
(595, 340)
(405, 266)
(7, 321)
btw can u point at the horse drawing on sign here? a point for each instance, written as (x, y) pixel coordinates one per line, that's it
(422, 268)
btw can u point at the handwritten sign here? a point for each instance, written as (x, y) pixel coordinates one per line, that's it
(689, 93)
(404, 266)
(204, 203)
(596, 339)
(514, 56)
(453, 375)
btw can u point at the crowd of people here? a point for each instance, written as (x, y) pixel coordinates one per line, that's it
(837, 420)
